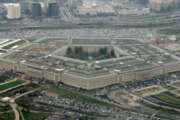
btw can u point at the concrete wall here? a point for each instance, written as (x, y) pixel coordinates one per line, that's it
(75, 81)
(89, 83)
(148, 73)
(127, 76)
(102, 81)
(38, 73)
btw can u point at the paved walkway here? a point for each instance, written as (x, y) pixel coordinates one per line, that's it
(16, 112)
(13, 105)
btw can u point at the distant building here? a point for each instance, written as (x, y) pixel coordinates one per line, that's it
(53, 9)
(158, 5)
(13, 10)
(36, 10)
(95, 8)
(155, 4)
(2, 10)
(25, 7)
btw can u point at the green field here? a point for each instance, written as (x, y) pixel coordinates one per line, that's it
(6, 76)
(10, 84)
(171, 99)
(161, 101)
(4, 107)
(7, 116)
(5, 112)
(170, 31)
(169, 87)
(14, 44)
(34, 116)
(164, 114)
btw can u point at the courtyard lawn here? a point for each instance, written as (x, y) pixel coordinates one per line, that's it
(10, 84)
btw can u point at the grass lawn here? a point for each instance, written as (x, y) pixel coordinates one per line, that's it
(67, 93)
(170, 31)
(169, 98)
(161, 112)
(4, 107)
(35, 116)
(7, 116)
(14, 44)
(10, 84)
(170, 87)
(6, 76)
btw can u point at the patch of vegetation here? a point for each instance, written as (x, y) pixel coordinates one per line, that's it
(79, 53)
(170, 31)
(84, 117)
(169, 98)
(10, 84)
(7, 116)
(4, 107)
(14, 44)
(170, 87)
(5, 112)
(2, 51)
(6, 76)
(161, 112)
(105, 97)
(35, 116)
(30, 39)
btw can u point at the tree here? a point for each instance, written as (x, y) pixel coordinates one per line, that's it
(112, 53)
(69, 51)
(103, 51)
(78, 50)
